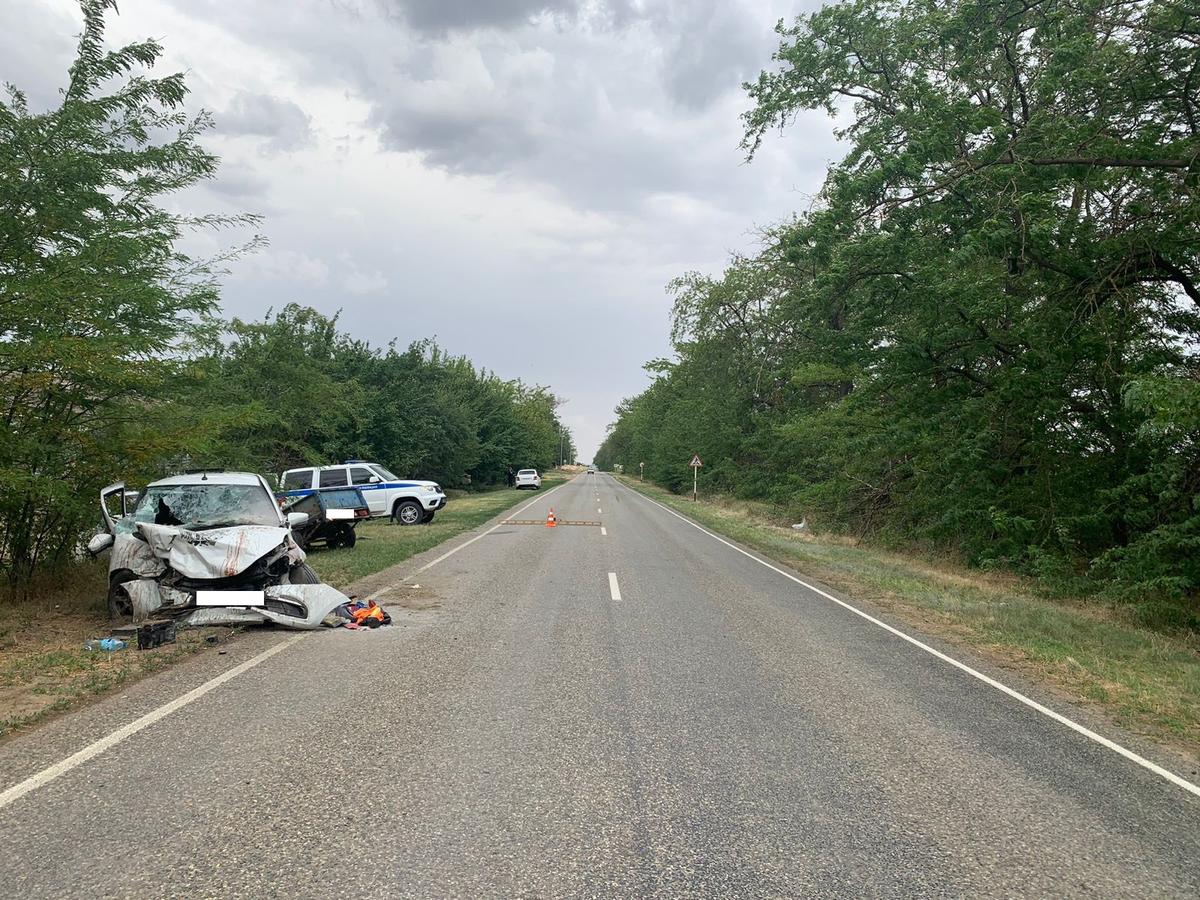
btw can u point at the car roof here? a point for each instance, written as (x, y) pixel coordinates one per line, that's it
(341, 465)
(412, 482)
(523, 471)
(209, 478)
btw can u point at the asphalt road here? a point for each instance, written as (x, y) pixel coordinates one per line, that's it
(717, 731)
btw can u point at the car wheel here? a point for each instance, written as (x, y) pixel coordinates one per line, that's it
(120, 606)
(303, 574)
(407, 512)
(428, 518)
(343, 536)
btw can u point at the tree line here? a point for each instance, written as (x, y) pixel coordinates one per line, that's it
(293, 390)
(116, 364)
(983, 335)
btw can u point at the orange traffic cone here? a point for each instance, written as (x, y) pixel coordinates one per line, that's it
(551, 521)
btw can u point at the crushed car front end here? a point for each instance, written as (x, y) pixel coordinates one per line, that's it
(226, 574)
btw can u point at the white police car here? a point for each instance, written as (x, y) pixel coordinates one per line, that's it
(407, 501)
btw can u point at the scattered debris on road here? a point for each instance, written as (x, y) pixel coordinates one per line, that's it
(358, 614)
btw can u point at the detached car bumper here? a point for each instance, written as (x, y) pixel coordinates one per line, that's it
(301, 606)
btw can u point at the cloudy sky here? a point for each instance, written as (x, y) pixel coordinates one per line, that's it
(517, 178)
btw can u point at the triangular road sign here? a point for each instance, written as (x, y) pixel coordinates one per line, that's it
(695, 463)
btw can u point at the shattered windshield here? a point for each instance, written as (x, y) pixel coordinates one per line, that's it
(197, 506)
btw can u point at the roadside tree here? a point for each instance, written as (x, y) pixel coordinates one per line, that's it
(97, 302)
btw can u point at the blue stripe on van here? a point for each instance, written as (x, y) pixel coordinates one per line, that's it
(391, 485)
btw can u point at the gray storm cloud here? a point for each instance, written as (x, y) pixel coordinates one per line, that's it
(518, 178)
(441, 16)
(283, 122)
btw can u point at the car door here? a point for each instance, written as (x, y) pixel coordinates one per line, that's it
(367, 481)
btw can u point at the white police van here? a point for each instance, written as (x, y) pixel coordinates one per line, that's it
(407, 501)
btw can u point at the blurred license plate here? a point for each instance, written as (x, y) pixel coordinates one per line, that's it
(335, 514)
(230, 598)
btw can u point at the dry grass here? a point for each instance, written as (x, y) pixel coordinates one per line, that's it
(43, 666)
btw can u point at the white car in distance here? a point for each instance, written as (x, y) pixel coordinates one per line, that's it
(529, 478)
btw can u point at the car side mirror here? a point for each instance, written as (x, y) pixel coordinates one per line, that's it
(295, 520)
(100, 543)
(374, 479)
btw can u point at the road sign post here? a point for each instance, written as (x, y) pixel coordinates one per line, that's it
(641, 471)
(695, 464)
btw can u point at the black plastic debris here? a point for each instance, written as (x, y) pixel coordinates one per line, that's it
(149, 635)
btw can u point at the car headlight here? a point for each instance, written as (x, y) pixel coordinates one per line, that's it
(430, 489)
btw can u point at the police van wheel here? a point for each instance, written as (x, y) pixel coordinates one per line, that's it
(407, 512)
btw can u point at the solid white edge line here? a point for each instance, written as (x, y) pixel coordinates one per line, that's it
(603, 531)
(33, 782)
(94, 749)
(613, 588)
(991, 682)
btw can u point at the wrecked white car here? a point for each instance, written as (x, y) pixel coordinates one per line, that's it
(209, 548)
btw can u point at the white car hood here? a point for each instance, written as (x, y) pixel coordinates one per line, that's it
(216, 552)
